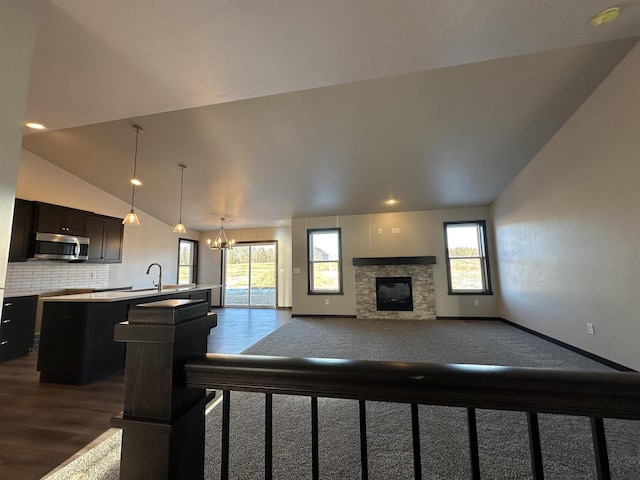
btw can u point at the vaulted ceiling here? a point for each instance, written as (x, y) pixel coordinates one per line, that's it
(294, 108)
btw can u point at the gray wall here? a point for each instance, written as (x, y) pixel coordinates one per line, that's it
(16, 45)
(421, 233)
(567, 229)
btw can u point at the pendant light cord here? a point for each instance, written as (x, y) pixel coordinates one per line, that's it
(182, 167)
(135, 164)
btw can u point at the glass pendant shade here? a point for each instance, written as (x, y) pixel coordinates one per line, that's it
(179, 228)
(131, 219)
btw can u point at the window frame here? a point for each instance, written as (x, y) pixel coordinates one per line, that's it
(310, 261)
(194, 265)
(484, 259)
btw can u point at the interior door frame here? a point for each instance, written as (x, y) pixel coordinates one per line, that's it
(223, 258)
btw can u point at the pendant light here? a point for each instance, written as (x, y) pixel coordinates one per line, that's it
(221, 242)
(179, 228)
(132, 219)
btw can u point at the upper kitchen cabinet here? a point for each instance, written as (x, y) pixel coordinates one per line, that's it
(21, 247)
(61, 220)
(105, 234)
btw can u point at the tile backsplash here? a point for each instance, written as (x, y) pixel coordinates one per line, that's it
(46, 276)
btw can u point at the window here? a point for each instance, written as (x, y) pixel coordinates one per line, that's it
(467, 260)
(325, 261)
(187, 261)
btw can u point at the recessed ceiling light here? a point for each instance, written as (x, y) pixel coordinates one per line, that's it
(605, 16)
(35, 126)
(136, 182)
(391, 201)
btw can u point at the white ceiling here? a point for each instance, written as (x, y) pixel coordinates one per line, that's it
(289, 108)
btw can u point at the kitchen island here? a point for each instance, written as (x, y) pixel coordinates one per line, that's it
(76, 336)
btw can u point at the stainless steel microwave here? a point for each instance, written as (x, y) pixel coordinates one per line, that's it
(52, 246)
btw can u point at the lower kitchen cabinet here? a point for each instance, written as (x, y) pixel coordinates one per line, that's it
(17, 326)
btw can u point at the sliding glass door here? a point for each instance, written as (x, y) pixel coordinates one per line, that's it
(250, 275)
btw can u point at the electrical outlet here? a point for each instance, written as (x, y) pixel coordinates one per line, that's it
(590, 329)
(326, 301)
(476, 302)
(379, 230)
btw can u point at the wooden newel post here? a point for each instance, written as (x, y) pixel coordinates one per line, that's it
(163, 421)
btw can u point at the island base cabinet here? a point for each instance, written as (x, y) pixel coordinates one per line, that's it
(77, 337)
(76, 342)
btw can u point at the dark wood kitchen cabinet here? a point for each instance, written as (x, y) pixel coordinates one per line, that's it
(105, 238)
(17, 326)
(77, 343)
(105, 233)
(22, 236)
(61, 220)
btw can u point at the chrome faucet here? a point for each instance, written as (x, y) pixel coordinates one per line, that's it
(159, 284)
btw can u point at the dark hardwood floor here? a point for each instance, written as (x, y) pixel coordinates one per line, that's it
(239, 328)
(42, 425)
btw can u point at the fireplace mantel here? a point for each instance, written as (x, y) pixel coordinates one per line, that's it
(363, 262)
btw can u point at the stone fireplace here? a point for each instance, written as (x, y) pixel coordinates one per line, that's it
(395, 288)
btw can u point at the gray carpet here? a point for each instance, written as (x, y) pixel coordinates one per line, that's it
(504, 454)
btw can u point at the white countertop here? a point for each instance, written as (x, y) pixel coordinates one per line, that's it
(116, 296)
(63, 291)
(20, 294)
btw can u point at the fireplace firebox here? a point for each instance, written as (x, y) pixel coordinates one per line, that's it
(394, 293)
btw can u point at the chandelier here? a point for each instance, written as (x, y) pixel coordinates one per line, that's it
(221, 242)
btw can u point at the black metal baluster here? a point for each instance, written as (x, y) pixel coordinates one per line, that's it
(364, 462)
(600, 448)
(534, 446)
(268, 436)
(474, 456)
(314, 439)
(226, 407)
(415, 429)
